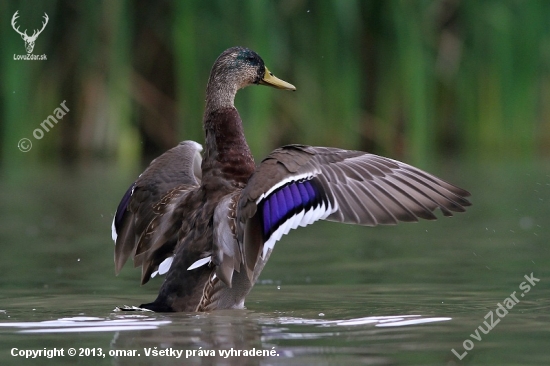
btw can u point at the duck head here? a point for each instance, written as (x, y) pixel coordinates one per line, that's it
(237, 68)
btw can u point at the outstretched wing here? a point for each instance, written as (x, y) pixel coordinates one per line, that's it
(145, 217)
(297, 185)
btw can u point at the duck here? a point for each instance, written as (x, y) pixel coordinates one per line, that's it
(207, 218)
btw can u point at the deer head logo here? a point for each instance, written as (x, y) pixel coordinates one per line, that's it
(29, 40)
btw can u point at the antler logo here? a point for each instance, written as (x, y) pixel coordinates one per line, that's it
(29, 40)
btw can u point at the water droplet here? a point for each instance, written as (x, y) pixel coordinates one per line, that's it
(278, 287)
(78, 260)
(321, 314)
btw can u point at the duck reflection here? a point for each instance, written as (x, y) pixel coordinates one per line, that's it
(229, 337)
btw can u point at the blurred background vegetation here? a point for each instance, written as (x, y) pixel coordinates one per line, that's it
(414, 80)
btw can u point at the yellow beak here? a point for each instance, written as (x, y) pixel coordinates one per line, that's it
(271, 80)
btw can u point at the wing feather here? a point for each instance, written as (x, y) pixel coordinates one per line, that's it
(336, 185)
(146, 216)
(226, 253)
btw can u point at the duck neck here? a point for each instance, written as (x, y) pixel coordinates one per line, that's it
(227, 157)
(220, 92)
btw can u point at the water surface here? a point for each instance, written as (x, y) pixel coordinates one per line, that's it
(331, 294)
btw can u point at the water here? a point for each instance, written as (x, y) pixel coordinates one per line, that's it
(331, 294)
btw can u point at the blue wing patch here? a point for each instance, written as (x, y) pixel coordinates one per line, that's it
(291, 202)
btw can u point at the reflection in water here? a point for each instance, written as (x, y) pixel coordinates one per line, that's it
(221, 331)
(144, 322)
(458, 268)
(378, 321)
(87, 324)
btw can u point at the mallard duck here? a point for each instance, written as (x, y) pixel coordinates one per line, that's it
(209, 223)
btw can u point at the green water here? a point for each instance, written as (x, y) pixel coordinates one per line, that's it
(331, 294)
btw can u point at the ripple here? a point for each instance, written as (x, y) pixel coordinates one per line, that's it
(88, 324)
(378, 321)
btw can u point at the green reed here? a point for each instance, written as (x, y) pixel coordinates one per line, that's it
(417, 80)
